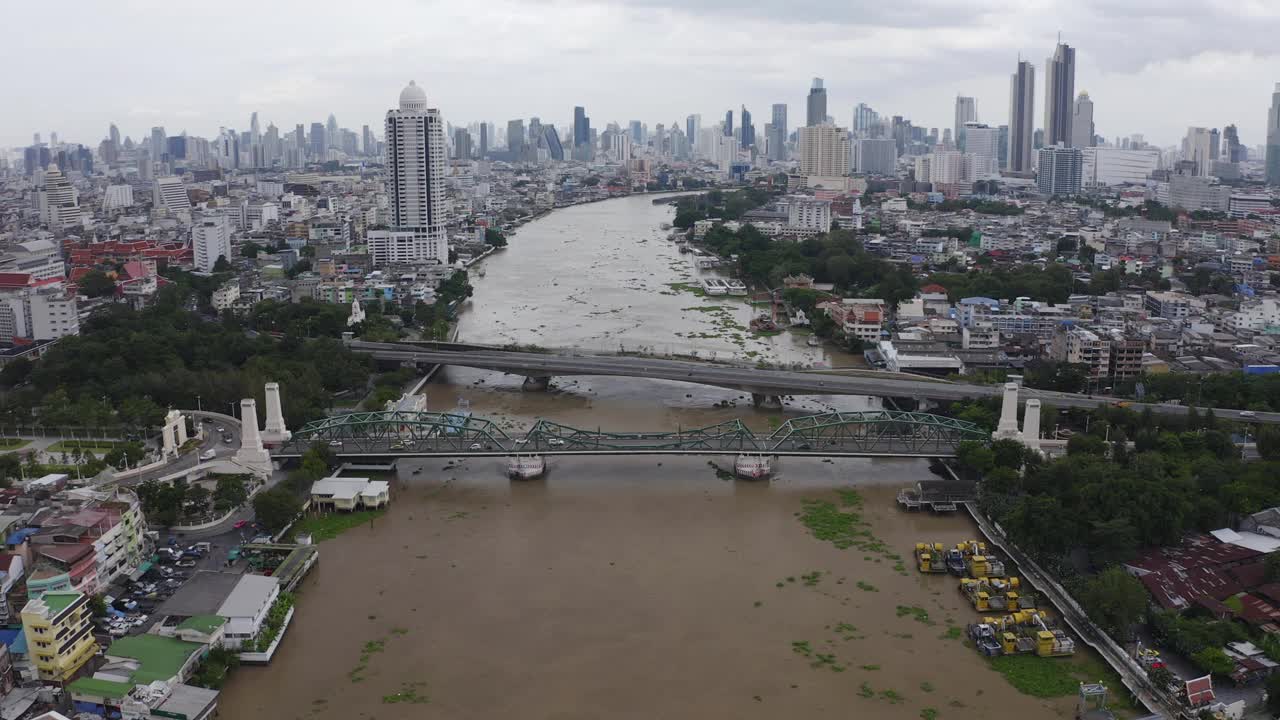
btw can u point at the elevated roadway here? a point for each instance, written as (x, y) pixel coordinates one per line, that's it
(539, 367)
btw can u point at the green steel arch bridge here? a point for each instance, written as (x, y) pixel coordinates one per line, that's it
(873, 433)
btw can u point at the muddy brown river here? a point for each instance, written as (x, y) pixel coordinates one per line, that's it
(637, 587)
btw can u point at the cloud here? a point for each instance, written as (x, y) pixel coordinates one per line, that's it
(1151, 66)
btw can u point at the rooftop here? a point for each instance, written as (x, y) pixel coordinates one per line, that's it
(159, 658)
(202, 623)
(203, 594)
(248, 596)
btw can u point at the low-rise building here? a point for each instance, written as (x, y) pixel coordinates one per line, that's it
(59, 634)
(347, 493)
(861, 318)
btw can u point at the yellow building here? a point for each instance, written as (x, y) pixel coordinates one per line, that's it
(59, 630)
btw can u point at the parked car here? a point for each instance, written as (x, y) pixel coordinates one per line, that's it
(188, 563)
(209, 454)
(242, 523)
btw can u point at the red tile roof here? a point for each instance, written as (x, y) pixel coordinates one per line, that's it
(1200, 565)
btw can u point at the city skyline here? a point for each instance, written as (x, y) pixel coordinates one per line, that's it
(289, 80)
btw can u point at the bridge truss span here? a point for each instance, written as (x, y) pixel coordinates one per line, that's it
(398, 431)
(727, 436)
(875, 431)
(879, 433)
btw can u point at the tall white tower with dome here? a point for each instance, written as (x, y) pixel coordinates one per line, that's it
(415, 147)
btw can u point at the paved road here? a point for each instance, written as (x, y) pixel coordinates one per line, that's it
(756, 381)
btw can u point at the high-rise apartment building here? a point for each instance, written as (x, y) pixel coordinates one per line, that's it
(1022, 90)
(983, 143)
(157, 145)
(1118, 166)
(1082, 132)
(1059, 93)
(748, 128)
(1273, 139)
(816, 106)
(461, 144)
(415, 177)
(1060, 170)
(727, 127)
(59, 205)
(864, 120)
(210, 240)
(331, 131)
(169, 193)
(824, 150)
(1197, 148)
(966, 112)
(515, 139)
(875, 156)
(1234, 152)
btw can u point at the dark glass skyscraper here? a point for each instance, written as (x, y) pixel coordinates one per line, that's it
(748, 130)
(728, 123)
(817, 104)
(1022, 92)
(1059, 94)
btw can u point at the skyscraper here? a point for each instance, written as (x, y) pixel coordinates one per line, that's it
(1234, 150)
(299, 137)
(966, 111)
(1273, 139)
(484, 140)
(319, 146)
(114, 135)
(817, 104)
(415, 149)
(1082, 122)
(1196, 148)
(864, 119)
(1060, 170)
(461, 144)
(157, 142)
(581, 132)
(778, 133)
(691, 127)
(1022, 90)
(515, 139)
(255, 132)
(554, 148)
(748, 130)
(728, 123)
(1059, 92)
(331, 131)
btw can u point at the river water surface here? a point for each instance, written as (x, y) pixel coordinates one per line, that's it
(639, 587)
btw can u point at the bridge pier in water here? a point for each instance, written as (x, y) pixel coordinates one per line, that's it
(536, 384)
(767, 402)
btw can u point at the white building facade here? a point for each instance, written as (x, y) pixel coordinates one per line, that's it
(416, 163)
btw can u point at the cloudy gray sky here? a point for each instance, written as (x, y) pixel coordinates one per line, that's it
(1151, 66)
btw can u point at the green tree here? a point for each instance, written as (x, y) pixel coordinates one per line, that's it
(222, 265)
(15, 371)
(494, 237)
(250, 249)
(96, 283)
(229, 493)
(1273, 567)
(1008, 453)
(1115, 600)
(98, 605)
(1214, 661)
(276, 508)
(198, 500)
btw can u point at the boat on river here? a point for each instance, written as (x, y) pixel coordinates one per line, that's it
(526, 467)
(752, 467)
(715, 286)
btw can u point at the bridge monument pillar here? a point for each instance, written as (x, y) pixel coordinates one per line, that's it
(536, 384)
(1007, 429)
(252, 455)
(275, 431)
(1031, 425)
(768, 402)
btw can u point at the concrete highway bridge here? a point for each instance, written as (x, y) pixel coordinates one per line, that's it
(766, 386)
(390, 434)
